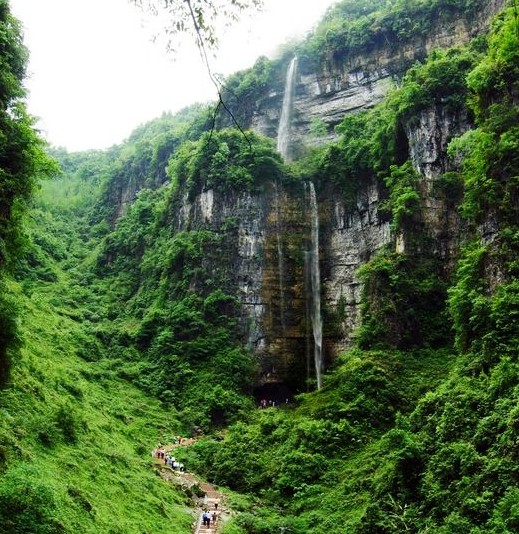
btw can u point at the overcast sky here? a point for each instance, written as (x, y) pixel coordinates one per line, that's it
(95, 74)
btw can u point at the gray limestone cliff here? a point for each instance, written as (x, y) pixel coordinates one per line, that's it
(265, 239)
(265, 236)
(266, 233)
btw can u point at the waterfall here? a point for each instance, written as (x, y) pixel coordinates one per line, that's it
(285, 119)
(315, 287)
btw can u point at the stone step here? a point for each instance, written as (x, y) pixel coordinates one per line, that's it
(212, 497)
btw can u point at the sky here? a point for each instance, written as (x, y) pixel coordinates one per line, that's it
(95, 73)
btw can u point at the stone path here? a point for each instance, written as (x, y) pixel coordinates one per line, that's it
(212, 500)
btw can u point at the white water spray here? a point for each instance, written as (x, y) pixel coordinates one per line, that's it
(315, 286)
(285, 120)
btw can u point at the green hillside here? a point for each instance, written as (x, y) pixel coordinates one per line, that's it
(118, 329)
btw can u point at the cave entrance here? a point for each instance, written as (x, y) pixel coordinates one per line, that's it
(272, 392)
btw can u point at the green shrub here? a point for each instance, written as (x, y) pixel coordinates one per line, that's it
(27, 503)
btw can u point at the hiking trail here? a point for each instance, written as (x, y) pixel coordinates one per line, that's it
(212, 501)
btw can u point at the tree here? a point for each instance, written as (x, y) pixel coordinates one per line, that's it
(22, 154)
(22, 162)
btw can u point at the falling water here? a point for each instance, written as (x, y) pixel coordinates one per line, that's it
(286, 111)
(315, 286)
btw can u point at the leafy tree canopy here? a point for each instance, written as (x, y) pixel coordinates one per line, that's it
(22, 162)
(225, 160)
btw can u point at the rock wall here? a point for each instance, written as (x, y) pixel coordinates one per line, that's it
(272, 233)
(243, 220)
(266, 233)
(428, 138)
(362, 78)
(265, 238)
(266, 243)
(350, 236)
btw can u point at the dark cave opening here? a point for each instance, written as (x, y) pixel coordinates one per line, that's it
(273, 393)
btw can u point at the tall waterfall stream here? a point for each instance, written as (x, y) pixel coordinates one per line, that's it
(315, 286)
(314, 307)
(285, 119)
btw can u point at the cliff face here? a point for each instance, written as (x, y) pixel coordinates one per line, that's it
(267, 234)
(350, 237)
(428, 139)
(267, 241)
(270, 240)
(362, 78)
(243, 220)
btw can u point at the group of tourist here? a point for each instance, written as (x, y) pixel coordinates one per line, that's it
(207, 517)
(264, 403)
(169, 460)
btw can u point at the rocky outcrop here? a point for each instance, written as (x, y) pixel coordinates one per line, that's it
(350, 236)
(121, 194)
(428, 137)
(242, 219)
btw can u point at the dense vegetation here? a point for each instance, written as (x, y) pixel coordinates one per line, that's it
(22, 163)
(132, 332)
(361, 453)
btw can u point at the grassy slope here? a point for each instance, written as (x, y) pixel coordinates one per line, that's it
(75, 439)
